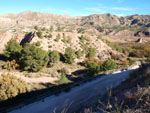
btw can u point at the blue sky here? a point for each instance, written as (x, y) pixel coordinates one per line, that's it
(77, 7)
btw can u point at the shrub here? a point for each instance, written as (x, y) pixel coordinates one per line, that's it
(33, 58)
(94, 68)
(112, 45)
(11, 65)
(125, 62)
(12, 50)
(82, 38)
(36, 27)
(85, 48)
(51, 29)
(43, 29)
(11, 86)
(108, 65)
(99, 37)
(58, 38)
(38, 43)
(79, 54)
(91, 61)
(63, 79)
(64, 38)
(49, 36)
(69, 55)
(39, 34)
(54, 57)
(81, 30)
(65, 70)
(69, 39)
(131, 61)
(116, 56)
(92, 52)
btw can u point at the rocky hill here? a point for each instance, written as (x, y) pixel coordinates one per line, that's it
(103, 23)
(16, 26)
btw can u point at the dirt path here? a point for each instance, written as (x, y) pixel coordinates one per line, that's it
(78, 96)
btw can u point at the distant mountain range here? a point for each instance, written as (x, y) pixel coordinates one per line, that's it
(107, 21)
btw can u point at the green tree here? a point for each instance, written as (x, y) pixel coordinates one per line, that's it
(11, 86)
(69, 55)
(54, 57)
(13, 50)
(109, 65)
(33, 59)
(92, 52)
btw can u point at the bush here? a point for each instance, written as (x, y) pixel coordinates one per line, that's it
(112, 45)
(131, 61)
(64, 38)
(38, 43)
(12, 50)
(11, 86)
(63, 79)
(82, 38)
(39, 34)
(85, 48)
(91, 61)
(43, 29)
(79, 54)
(91, 54)
(99, 37)
(81, 30)
(116, 56)
(11, 65)
(54, 57)
(125, 62)
(33, 58)
(50, 36)
(69, 39)
(36, 27)
(51, 29)
(94, 68)
(69, 55)
(58, 38)
(109, 65)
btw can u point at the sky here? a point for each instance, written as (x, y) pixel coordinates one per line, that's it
(77, 7)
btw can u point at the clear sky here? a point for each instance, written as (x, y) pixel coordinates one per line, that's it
(77, 7)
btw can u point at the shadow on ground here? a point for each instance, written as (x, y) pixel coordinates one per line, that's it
(30, 97)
